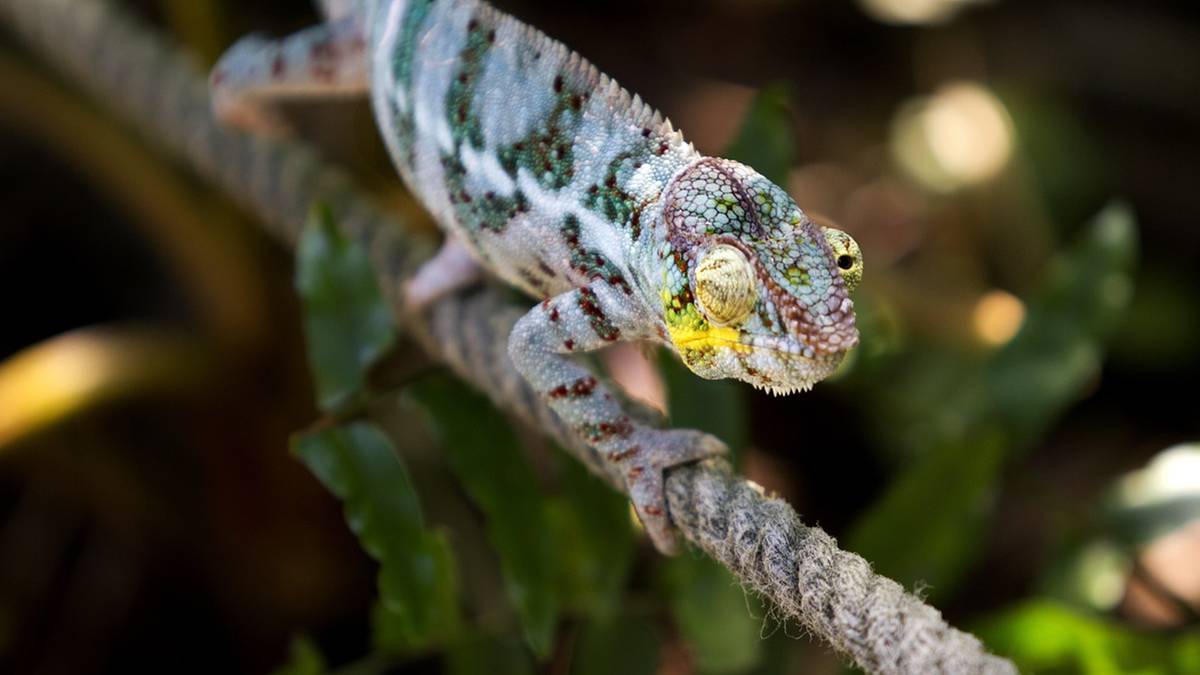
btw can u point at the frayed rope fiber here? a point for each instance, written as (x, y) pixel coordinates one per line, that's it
(832, 593)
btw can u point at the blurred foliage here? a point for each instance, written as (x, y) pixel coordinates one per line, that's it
(1046, 637)
(345, 318)
(595, 540)
(417, 582)
(485, 654)
(767, 139)
(626, 644)
(927, 526)
(485, 455)
(305, 659)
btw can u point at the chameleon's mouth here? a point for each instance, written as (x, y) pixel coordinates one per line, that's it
(729, 338)
(781, 345)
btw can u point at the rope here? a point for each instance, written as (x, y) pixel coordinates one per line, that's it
(833, 593)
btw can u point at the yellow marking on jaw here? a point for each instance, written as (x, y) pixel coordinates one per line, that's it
(713, 336)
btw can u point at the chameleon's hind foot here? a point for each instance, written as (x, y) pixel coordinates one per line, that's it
(451, 269)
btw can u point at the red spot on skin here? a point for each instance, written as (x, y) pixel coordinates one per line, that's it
(587, 302)
(219, 78)
(645, 133)
(621, 456)
(584, 386)
(472, 25)
(600, 323)
(569, 344)
(581, 388)
(652, 510)
(621, 428)
(662, 149)
(278, 67)
(558, 84)
(554, 314)
(491, 36)
(635, 473)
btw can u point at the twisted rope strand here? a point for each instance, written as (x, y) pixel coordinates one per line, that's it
(833, 593)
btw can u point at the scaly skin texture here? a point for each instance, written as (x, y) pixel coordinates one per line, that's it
(550, 176)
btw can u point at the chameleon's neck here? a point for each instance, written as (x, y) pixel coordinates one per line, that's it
(652, 253)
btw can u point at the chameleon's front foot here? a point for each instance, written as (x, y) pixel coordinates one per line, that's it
(650, 454)
(588, 319)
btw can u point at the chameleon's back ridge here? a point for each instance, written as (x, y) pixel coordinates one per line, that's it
(545, 173)
(543, 166)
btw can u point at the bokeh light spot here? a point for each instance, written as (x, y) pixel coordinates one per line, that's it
(961, 136)
(913, 12)
(997, 317)
(1174, 473)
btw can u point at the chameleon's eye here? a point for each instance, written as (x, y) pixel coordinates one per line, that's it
(847, 256)
(725, 285)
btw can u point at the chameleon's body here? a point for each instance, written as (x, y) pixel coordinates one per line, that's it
(550, 176)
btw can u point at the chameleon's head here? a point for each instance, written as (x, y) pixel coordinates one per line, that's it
(753, 289)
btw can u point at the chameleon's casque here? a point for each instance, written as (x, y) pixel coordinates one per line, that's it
(547, 174)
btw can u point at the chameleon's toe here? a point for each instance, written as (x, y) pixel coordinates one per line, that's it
(657, 451)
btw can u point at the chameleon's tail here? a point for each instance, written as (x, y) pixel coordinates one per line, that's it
(162, 92)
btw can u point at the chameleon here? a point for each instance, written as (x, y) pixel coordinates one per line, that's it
(545, 173)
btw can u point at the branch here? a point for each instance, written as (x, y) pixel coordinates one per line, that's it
(832, 592)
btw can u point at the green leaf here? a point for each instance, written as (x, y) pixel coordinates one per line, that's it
(346, 321)
(485, 456)
(303, 659)
(925, 527)
(629, 645)
(767, 140)
(714, 615)
(1061, 345)
(596, 542)
(928, 524)
(1044, 636)
(486, 654)
(417, 582)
